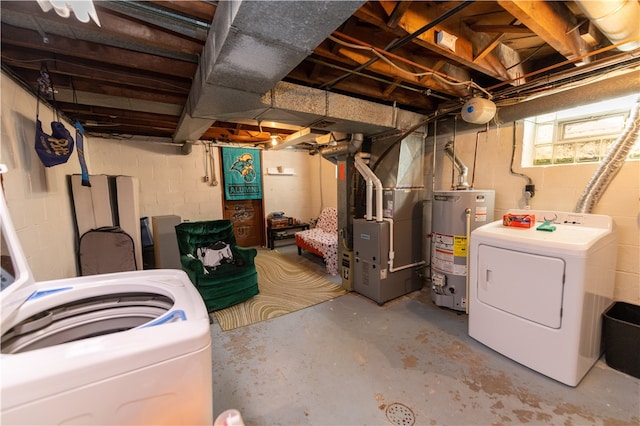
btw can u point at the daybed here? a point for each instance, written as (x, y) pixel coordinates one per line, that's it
(323, 239)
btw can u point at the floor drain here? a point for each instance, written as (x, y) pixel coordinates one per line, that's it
(400, 414)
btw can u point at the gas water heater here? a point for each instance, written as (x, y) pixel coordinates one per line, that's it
(455, 214)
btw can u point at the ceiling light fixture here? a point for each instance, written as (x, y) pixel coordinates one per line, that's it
(83, 9)
(274, 140)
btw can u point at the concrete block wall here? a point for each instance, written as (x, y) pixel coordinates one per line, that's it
(171, 183)
(37, 197)
(303, 194)
(557, 188)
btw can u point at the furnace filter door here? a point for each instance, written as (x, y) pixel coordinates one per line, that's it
(506, 281)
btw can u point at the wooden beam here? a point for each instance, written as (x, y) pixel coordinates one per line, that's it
(506, 29)
(501, 63)
(387, 92)
(384, 68)
(203, 10)
(369, 89)
(113, 25)
(552, 21)
(487, 50)
(398, 10)
(100, 113)
(492, 45)
(99, 53)
(19, 58)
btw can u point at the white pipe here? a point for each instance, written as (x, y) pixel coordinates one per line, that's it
(467, 213)
(369, 176)
(369, 194)
(367, 172)
(392, 253)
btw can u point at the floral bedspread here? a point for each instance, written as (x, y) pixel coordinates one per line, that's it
(324, 238)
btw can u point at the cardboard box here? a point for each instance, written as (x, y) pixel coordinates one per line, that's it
(519, 220)
(281, 222)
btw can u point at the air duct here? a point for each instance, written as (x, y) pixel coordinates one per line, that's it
(252, 46)
(616, 19)
(342, 148)
(611, 164)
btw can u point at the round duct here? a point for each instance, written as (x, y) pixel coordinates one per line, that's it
(478, 110)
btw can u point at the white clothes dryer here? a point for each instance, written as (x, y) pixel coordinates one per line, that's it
(123, 348)
(538, 297)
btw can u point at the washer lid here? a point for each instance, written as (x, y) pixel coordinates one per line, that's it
(16, 280)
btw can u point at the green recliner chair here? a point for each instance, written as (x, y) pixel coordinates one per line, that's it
(223, 273)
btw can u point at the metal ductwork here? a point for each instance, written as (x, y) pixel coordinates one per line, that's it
(342, 148)
(611, 164)
(616, 19)
(463, 170)
(252, 46)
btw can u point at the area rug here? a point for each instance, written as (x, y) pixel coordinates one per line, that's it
(285, 287)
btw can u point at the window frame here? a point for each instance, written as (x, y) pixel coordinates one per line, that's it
(567, 150)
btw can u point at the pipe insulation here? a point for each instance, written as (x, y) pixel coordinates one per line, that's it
(611, 164)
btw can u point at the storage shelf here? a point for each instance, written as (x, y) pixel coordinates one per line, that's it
(272, 233)
(286, 171)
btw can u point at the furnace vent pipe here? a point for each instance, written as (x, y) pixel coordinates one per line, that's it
(463, 170)
(371, 179)
(368, 213)
(342, 147)
(611, 164)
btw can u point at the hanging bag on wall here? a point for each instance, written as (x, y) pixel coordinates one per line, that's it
(57, 147)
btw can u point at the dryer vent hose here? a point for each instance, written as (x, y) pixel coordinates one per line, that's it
(611, 164)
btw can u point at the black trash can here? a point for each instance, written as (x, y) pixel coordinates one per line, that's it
(621, 334)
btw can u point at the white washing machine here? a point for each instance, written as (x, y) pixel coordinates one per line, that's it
(537, 297)
(124, 348)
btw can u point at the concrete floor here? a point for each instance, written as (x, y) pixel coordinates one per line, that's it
(351, 362)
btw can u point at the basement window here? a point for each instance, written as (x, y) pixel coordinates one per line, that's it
(578, 135)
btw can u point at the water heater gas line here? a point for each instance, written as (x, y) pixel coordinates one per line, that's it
(453, 147)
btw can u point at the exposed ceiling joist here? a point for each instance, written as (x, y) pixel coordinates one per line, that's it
(132, 75)
(553, 22)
